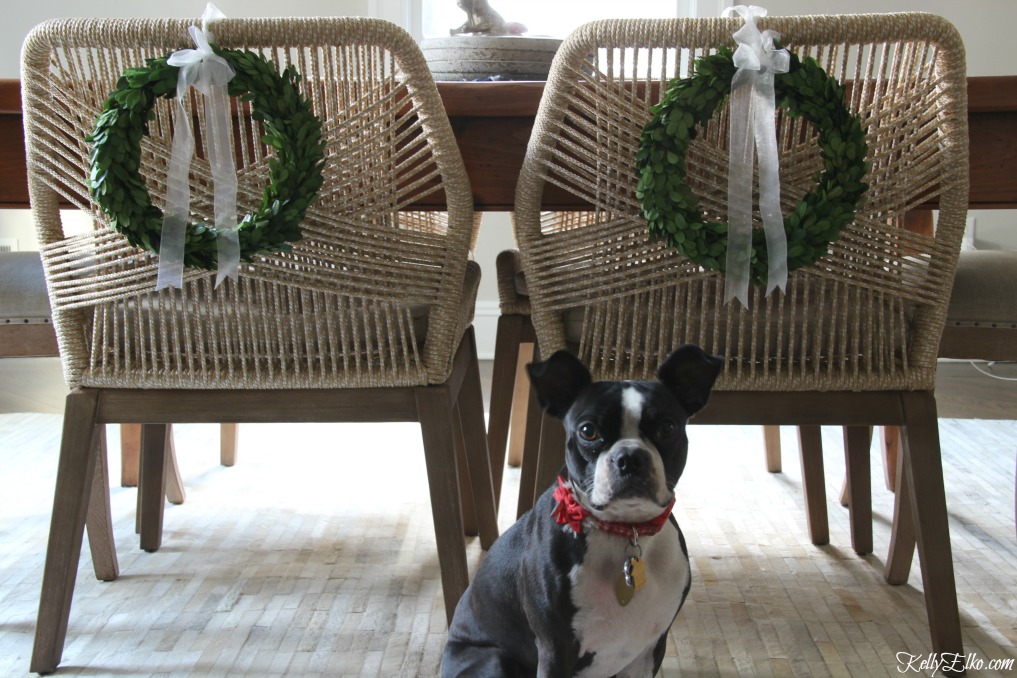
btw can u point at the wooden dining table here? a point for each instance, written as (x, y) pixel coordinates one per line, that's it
(492, 123)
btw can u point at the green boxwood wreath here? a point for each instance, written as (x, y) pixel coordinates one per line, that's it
(672, 209)
(290, 128)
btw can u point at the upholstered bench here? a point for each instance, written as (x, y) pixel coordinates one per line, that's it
(25, 323)
(981, 323)
(26, 329)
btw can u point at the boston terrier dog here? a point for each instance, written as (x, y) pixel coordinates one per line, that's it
(589, 581)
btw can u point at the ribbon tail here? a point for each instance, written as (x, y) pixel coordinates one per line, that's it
(769, 182)
(741, 155)
(178, 198)
(224, 176)
(228, 251)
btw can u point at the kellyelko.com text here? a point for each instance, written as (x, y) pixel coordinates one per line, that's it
(948, 662)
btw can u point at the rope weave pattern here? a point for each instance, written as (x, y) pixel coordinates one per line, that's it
(868, 316)
(373, 295)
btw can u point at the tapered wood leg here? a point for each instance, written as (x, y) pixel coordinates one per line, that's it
(528, 470)
(814, 483)
(155, 441)
(228, 436)
(465, 488)
(771, 442)
(175, 492)
(74, 482)
(434, 408)
(130, 459)
(890, 444)
(857, 442)
(99, 520)
(924, 466)
(520, 396)
(130, 454)
(551, 457)
(902, 531)
(506, 351)
(470, 417)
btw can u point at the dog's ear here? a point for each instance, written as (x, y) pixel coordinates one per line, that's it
(558, 381)
(689, 373)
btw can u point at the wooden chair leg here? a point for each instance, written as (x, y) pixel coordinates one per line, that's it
(74, 482)
(771, 442)
(520, 396)
(857, 443)
(902, 531)
(228, 434)
(173, 482)
(924, 467)
(890, 444)
(506, 349)
(155, 441)
(99, 520)
(814, 483)
(175, 492)
(463, 474)
(551, 457)
(130, 454)
(470, 420)
(434, 409)
(528, 469)
(130, 460)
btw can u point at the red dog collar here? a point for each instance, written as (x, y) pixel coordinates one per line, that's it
(570, 512)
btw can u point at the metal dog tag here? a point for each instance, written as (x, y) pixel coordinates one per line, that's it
(622, 591)
(635, 573)
(632, 578)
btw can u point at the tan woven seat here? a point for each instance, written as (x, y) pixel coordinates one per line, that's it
(332, 331)
(868, 315)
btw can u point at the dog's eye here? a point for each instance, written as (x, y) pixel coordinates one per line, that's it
(667, 429)
(588, 432)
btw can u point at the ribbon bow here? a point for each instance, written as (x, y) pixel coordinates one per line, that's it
(568, 511)
(753, 128)
(209, 73)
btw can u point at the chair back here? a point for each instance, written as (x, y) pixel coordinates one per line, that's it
(867, 315)
(368, 297)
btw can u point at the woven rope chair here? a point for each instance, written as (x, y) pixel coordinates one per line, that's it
(367, 319)
(854, 339)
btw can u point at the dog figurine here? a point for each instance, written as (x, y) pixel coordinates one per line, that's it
(589, 581)
(482, 19)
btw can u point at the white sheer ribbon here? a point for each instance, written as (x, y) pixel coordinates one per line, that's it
(209, 74)
(753, 129)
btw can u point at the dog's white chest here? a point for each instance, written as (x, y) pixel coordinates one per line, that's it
(619, 635)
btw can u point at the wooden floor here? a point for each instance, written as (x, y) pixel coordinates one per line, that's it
(314, 555)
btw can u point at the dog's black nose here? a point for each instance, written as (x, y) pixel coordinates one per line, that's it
(629, 462)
